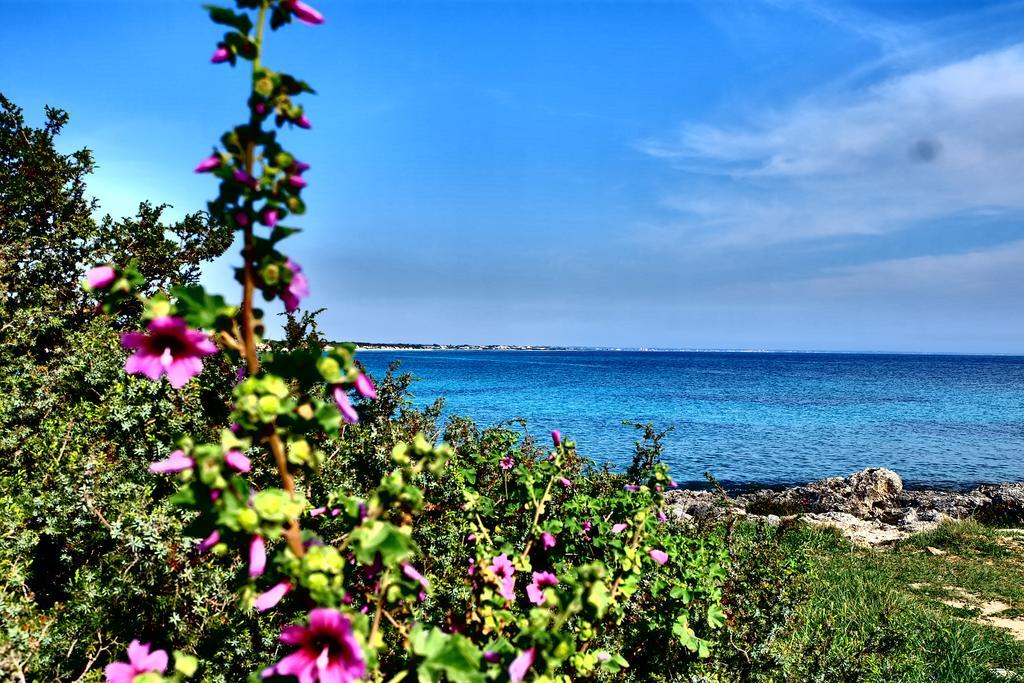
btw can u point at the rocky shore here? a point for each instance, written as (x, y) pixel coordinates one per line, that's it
(870, 507)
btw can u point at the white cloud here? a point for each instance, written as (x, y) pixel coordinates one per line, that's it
(969, 276)
(921, 146)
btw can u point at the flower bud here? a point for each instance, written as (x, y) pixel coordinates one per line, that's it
(364, 385)
(220, 55)
(269, 217)
(100, 277)
(305, 13)
(209, 163)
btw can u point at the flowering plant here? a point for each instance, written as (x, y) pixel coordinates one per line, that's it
(534, 594)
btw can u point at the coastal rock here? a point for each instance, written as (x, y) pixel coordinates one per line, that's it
(866, 494)
(870, 507)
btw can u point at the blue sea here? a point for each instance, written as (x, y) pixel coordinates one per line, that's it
(764, 418)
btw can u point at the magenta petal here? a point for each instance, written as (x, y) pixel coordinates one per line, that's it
(520, 665)
(177, 462)
(257, 556)
(348, 413)
(293, 634)
(364, 385)
(273, 596)
(619, 528)
(145, 661)
(208, 542)
(180, 371)
(295, 663)
(556, 437)
(237, 461)
(659, 556)
(119, 672)
(144, 363)
(100, 276)
(132, 340)
(535, 594)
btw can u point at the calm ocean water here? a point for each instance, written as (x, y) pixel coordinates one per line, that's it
(751, 417)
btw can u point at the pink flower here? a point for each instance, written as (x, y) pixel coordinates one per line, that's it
(177, 462)
(269, 217)
(659, 556)
(271, 597)
(619, 528)
(364, 385)
(100, 277)
(298, 288)
(565, 482)
(632, 488)
(237, 461)
(548, 539)
(305, 13)
(556, 436)
(661, 516)
(541, 580)
(140, 661)
(260, 108)
(410, 571)
(242, 219)
(209, 163)
(316, 512)
(220, 55)
(170, 348)
(299, 167)
(208, 542)
(520, 665)
(257, 556)
(348, 413)
(328, 650)
(491, 657)
(303, 122)
(507, 463)
(505, 571)
(297, 181)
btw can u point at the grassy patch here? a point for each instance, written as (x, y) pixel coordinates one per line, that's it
(878, 615)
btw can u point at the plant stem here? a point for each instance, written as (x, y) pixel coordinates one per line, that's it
(536, 516)
(252, 359)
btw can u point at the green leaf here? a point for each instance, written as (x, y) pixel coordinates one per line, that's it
(716, 617)
(185, 664)
(599, 598)
(446, 657)
(384, 538)
(226, 17)
(200, 309)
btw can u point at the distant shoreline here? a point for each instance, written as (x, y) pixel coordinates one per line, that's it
(371, 346)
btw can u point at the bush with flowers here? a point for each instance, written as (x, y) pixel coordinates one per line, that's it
(353, 541)
(540, 571)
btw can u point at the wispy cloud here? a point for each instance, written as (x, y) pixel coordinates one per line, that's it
(920, 146)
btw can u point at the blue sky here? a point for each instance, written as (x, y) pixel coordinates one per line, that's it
(780, 174)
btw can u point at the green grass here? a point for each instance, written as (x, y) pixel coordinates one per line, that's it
(877, 615)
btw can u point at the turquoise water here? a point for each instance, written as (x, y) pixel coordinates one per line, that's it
(751, 417)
